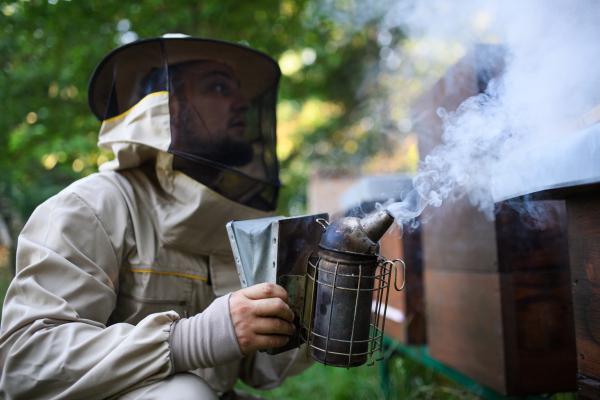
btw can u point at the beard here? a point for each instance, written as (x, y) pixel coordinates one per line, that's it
(191, 136)
(226, 150)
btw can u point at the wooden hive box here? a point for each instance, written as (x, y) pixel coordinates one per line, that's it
(583, 212)
(497, 295)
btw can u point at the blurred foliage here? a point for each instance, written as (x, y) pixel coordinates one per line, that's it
(49, 50)
(407, 380)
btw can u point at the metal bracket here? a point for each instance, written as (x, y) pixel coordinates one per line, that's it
(323, 222)
(393, 265)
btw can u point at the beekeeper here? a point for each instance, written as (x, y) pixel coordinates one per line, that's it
(124, 278)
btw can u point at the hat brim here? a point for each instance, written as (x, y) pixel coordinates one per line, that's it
(126, 65)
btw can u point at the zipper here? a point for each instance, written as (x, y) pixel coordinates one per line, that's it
(181, 303)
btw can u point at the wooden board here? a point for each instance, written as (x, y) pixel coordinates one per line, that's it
(458, 237)
(464, 324)
(589, 389)
(410, 300)
(539, 338)
(511, 332)
(508, 244)
(524, 247)
(391, 248)
(415, 301)
(583, 214)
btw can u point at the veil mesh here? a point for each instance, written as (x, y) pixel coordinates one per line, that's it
(222, 102)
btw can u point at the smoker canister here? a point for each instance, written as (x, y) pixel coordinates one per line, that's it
(345, 285)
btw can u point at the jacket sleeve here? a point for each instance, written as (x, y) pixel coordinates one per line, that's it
(54, 342)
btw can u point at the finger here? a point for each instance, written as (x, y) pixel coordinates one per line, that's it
(272, 308)
(266, 291)
(273, 325)
(270, 341)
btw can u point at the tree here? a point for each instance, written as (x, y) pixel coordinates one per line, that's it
(48, 135)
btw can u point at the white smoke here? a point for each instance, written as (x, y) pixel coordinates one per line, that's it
(551, 78)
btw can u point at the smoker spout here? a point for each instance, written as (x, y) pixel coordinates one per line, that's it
(356, 235)
(375, 225)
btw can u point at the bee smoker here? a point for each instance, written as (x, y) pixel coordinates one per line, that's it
(345, 284)
(337, 281)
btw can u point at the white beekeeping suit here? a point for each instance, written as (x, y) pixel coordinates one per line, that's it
(108, 268)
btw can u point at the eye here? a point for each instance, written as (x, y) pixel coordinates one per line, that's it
(221, 88)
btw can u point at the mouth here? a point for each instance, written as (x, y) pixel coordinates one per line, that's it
(237, 122)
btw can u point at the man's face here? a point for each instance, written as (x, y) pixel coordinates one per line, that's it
(209, 111)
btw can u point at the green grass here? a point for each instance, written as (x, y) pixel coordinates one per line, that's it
(320, 382)
(408, 380)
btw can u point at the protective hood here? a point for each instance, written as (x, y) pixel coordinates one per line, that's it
(209, 103)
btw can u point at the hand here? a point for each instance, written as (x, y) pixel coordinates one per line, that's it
(261, 317)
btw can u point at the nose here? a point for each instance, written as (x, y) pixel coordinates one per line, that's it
(240, 104)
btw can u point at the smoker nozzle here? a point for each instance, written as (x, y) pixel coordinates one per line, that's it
(356, 235)
(376, 224)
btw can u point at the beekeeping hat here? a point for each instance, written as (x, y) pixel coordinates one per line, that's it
(211, 104)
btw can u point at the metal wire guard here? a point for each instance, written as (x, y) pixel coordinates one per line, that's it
(381, 278)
